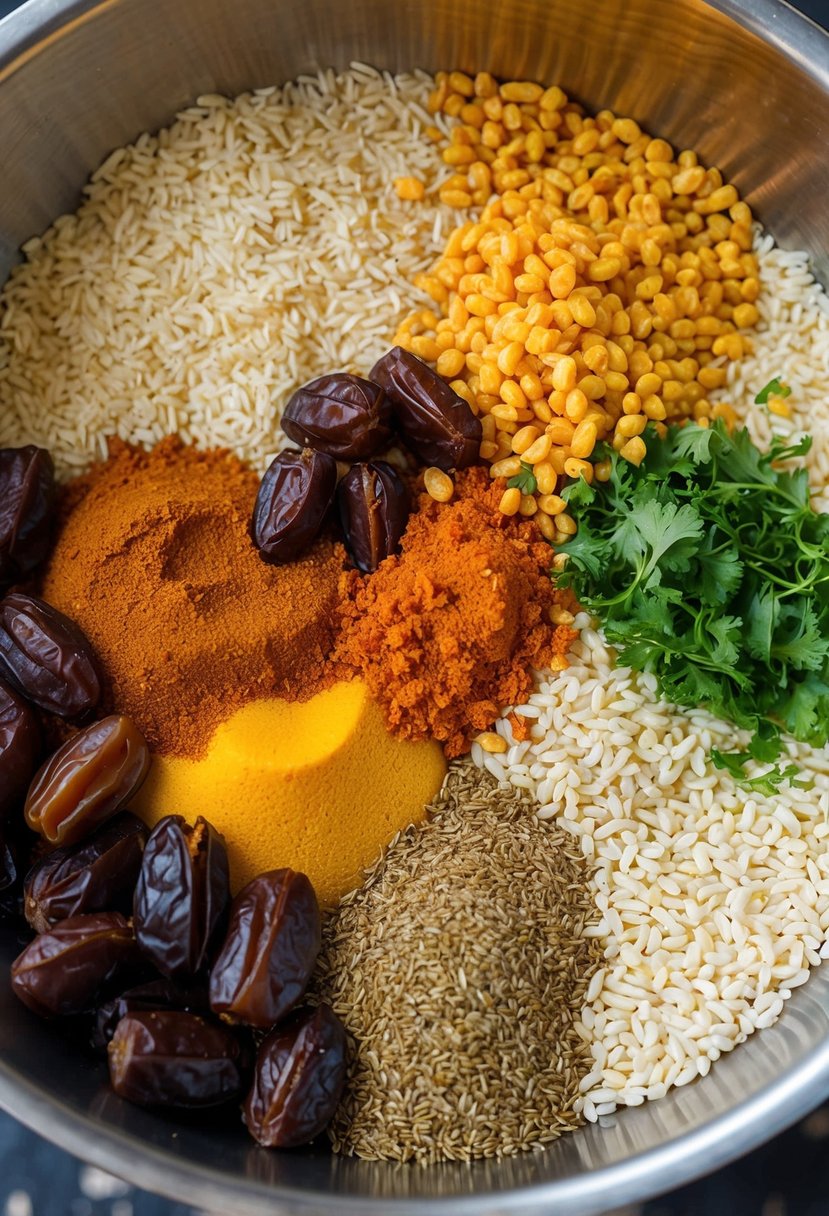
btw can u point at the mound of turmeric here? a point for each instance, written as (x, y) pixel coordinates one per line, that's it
(447, 634)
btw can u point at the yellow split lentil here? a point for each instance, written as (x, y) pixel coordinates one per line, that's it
(603, 285)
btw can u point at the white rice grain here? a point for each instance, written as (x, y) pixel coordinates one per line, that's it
(711, 899)
(214, 267)
(792, 343)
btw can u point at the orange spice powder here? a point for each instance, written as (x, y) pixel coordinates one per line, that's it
(447, 634)
(154, 561)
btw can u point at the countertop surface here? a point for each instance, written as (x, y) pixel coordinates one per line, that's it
(787, 1177)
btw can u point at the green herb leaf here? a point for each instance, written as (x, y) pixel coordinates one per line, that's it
(764, 783)
(709, 568)
(578, 493)
(774, 388)
(525, 480)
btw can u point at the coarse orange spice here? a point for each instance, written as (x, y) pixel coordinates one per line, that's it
(448, 633)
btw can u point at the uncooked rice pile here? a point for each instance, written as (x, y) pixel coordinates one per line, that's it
(460, 968)
(792, 342)
(714, 902)
(212, 268)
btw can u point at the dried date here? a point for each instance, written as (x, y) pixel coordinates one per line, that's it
(19, 748)
(95, 876)
(269, 952)
(27, 503)
(293, 500)
(167, 1058)
(87, 780)
(182, 896)
(374, 508)
(145, 998)
(299, 1078)
(341, 414)
(435, 422)
(47, 657)
(74, 965)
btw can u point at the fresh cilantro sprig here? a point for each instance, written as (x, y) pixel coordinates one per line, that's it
(762, 783)
(774, 388)
(524, 480)
(709, 568)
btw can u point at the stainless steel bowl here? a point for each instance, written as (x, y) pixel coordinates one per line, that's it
(746, 82)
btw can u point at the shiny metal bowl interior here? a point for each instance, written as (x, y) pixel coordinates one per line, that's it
(746, 82)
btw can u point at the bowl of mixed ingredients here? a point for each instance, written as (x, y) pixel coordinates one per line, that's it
(414, 596)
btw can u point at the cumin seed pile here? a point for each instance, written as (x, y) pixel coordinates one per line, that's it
(460, 968)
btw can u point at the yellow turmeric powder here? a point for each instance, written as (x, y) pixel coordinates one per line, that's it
(318, 785)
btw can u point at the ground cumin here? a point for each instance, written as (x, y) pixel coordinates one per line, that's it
(153, 560)
(447, 633)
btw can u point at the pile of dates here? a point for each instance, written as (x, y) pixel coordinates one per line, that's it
(50, 683)
(343, 420)
(196, 998)
(137, 934)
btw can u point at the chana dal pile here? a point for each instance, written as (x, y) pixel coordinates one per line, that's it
(414, 641)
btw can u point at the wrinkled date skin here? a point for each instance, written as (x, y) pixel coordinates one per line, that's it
(299, 1079)
(341, 414)
(293, 500)
(182, 896)
(434, 421)
(73, 966)
(87, 780)
(168, 1058)
(27, 502)
(145, 998)
(374, 508)
(47, 657)
(270, 949)
(19, 748)
(95, 876)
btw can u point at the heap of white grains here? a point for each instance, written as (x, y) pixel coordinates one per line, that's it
(791, 343)
(460, 968)
(217, 265)
(714, 903)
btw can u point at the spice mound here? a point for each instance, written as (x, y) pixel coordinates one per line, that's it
(320, 787)
(153, 560)
(460, 969)
(450, 630)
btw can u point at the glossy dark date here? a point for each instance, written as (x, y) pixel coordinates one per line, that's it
(168, 1058)
(87, 780)
(269, 952)
(374, 508)
(74, 965)
(344, 415)
(47, 657)
(19, 748)
(299, 1079)
(293, 500)
(182, 896)
(146, 998)
(434, 421)
(27, 502)
(95, 876)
